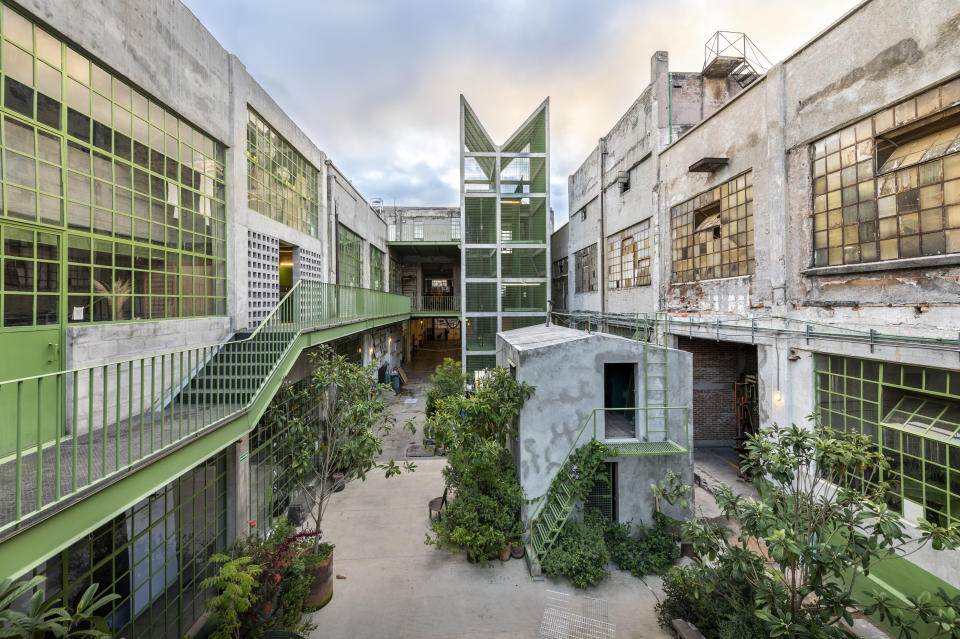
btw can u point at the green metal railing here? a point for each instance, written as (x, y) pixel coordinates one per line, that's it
(435, 304)
(546, 523)
(113, 417)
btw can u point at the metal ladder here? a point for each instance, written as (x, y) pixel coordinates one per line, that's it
(655, 389)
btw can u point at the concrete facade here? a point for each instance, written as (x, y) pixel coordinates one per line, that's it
(550, 421)
(768, 133)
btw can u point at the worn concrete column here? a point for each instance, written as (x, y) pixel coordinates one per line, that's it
(238, 489)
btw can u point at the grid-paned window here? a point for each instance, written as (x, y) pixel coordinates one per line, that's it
(85, 152)
(585, 269)
(376, 268)
(272, 481)
(712, 233)
(349, 258)
(395, 276)
(512, 323)
(281, 183)
(480, 362)
(913, 413)
(628, 256)
(153, 555)
(888, 186)
(31, 277)
(559, 284)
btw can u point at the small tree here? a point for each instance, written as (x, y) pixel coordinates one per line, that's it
(823, 518)
(235, 581)
(448, 381)
(346, 439)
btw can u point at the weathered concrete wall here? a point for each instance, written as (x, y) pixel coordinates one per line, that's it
(546, 435)
(348, 207)
(559, 242)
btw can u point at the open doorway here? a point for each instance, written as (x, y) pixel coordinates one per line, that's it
(286, 268)
(619, 392)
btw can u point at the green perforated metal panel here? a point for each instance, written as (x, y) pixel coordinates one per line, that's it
(511, 323)
(481, 297)
(480, 215)
(523, 262)
(481, 262)
(481, 333)
(524, 297)
(523, 220)
(480, 362)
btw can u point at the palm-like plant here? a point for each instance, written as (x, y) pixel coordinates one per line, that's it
(117, 290)
(45, 618)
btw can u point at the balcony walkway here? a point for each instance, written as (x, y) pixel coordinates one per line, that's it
(140, 423)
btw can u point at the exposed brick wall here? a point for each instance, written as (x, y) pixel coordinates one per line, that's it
(716, 366)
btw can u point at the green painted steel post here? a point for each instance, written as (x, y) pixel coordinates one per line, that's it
(75, 428)
(39, 443)
(18, 488)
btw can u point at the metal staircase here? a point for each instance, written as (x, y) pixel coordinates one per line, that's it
(546, 528)
(655, 373)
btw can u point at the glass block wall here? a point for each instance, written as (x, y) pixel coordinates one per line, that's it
(505, 200)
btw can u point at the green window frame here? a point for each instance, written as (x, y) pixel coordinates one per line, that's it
(281, 183)
(349, 258)
(376, 268)
(913, 414)
(395, 276)
(86, 154)
(154, 555)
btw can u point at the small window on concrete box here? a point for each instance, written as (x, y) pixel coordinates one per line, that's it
(619, 394)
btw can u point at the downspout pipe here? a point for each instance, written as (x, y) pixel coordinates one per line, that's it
(600, 247)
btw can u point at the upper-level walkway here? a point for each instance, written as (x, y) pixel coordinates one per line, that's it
(104, 436)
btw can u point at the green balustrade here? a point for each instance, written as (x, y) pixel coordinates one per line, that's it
(117, 416)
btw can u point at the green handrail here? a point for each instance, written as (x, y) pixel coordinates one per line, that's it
(436, 304)
(83, 426)
(592, 418)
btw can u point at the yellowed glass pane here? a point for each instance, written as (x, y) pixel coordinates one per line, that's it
(888, 228)
(928, 102)
(953, 217)
(951, 166)
(928, 147)
(888, 249)
(17, 28)
(78, 96)
(881, 122)
(78, 66)
(931, 220)
(953, 241)
(951, 192)
(48, 48)
(18, 63)
(101, 81)
(48, 80)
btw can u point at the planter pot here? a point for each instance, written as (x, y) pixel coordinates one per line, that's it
(505, 554)
(337, 479)
(516, 551)
(321, 590)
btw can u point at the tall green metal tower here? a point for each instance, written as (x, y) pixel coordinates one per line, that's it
(504, 214)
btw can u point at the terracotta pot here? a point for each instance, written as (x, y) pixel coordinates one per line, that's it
(321, 590)
(337, 479)
(517, 551)
(505, 554)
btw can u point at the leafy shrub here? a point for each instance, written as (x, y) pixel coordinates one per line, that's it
(579, 554)
(448, 381)
(484, 514)
(718, 603)
(652, 552)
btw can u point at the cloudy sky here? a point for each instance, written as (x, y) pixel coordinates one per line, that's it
(375, 84)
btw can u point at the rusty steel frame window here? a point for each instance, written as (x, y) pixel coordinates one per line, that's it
(558, 288)
(585, 265)
(712, 233)
(883, 193)
(628, 256)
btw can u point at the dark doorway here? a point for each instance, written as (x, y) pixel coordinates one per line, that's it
(619, 391)
(286, 268)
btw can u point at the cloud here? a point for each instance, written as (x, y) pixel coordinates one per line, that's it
(376, 84)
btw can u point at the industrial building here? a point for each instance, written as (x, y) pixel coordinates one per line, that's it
(173, 247)
(795, 227)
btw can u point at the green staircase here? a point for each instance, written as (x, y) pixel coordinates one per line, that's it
(655, 372)
(554, 515)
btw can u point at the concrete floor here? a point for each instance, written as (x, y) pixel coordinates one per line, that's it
(396, 586)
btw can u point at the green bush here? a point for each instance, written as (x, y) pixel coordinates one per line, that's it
(650, 553)
(718, 603)
(579, 554)
(448, 381)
